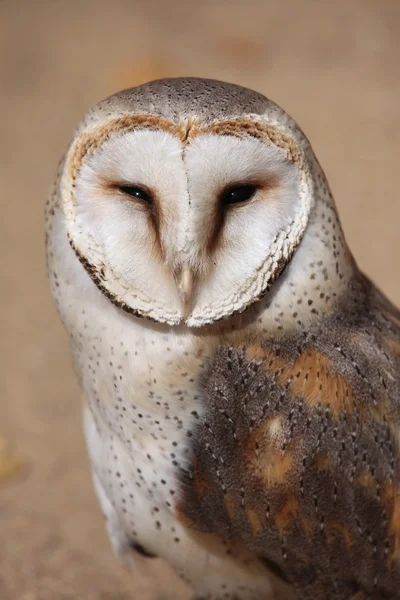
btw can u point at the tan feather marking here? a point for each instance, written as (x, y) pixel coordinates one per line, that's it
(285, 517)
(272, 469)
(264, 457)
(255, 521)
(311, 377)
(366, 480)
(333, 529)
(255, 353)
(275, 427)
(307, 525)
(323, 462)
(229, 506)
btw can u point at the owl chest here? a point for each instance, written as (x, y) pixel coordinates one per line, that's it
(142, 395)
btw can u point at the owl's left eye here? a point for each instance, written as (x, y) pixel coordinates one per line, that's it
(238, 194)
(136, 192)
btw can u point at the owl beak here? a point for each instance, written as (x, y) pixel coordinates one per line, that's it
(185, 286)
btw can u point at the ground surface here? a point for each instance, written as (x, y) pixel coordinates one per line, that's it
(333, 65)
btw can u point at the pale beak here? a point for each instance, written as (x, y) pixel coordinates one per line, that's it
(185, 285)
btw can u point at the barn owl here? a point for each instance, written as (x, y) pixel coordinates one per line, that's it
(241, 375)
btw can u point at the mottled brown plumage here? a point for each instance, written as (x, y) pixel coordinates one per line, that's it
(296, 455)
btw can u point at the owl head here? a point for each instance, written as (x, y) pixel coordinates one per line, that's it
(185, 199)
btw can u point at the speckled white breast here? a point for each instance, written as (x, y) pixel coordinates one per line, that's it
(141, 383)
(141, 397)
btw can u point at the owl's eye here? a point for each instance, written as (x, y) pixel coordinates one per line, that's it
(238, 194)
(136, 192)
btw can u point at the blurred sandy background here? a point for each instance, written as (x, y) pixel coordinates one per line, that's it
(335, 66)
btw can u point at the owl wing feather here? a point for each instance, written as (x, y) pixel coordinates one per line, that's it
(296, 457)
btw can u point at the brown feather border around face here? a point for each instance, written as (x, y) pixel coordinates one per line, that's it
(91, 140)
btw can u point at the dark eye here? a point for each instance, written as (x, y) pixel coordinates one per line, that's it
(237, 194)
(136, 192)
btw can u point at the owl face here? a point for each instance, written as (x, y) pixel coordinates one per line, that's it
(184, 221)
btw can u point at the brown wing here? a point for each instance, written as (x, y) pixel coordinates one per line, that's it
(297, 454)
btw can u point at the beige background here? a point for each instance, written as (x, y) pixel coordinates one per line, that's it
(334, 66)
